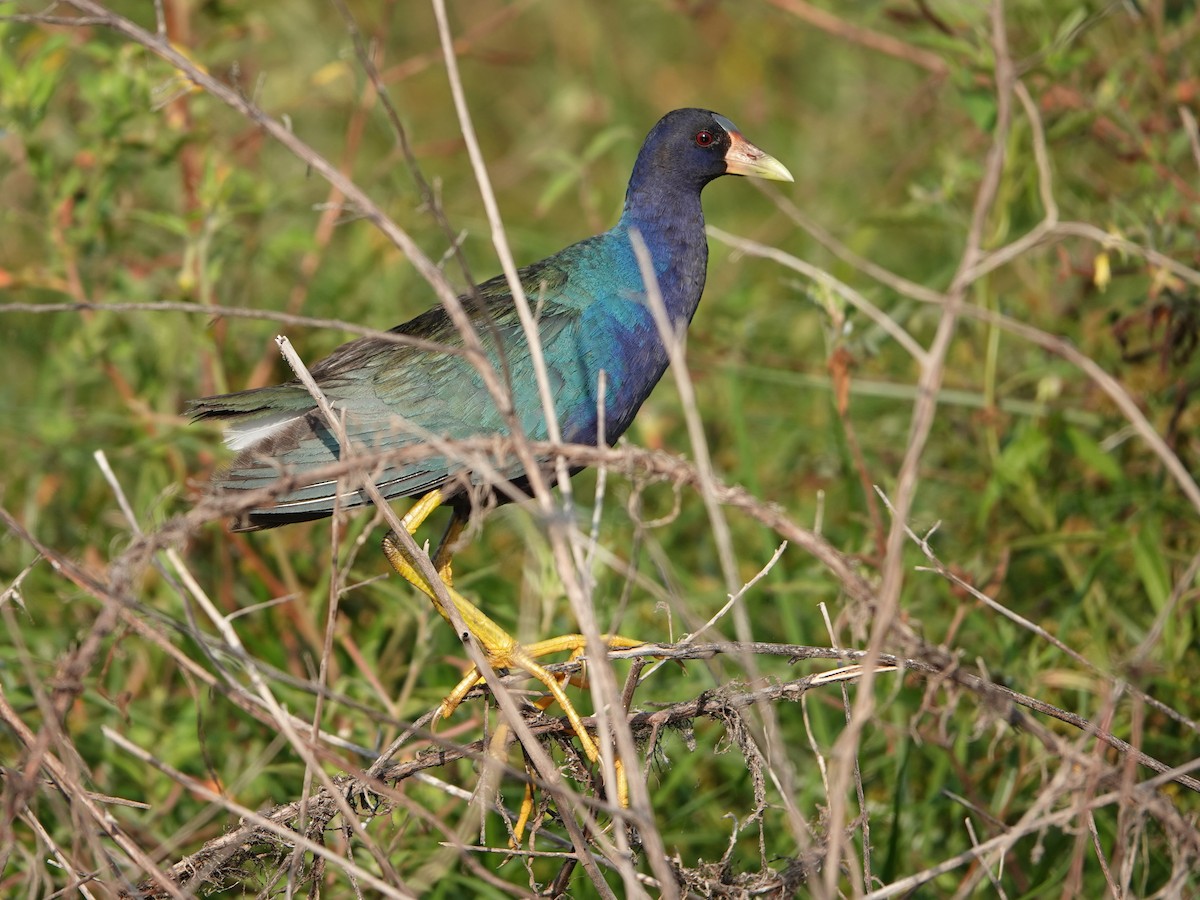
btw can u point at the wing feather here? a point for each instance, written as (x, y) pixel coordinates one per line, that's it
(392, 395)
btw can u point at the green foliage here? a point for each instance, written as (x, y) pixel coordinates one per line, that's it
(120, 183)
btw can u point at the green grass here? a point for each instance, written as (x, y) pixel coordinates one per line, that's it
(118, 185)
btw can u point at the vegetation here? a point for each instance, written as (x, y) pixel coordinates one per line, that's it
(975, 315)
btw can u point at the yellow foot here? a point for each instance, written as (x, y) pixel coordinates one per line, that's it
(524, 658)
(527, 799)
(518, 656)
(503, 651)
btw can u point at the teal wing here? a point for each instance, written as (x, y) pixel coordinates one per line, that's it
(393, 395)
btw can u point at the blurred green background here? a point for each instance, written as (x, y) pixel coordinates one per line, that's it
(119, 185)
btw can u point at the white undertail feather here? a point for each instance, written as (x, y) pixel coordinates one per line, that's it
(240, 435)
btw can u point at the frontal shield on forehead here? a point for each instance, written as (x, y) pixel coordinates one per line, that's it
(725, 123)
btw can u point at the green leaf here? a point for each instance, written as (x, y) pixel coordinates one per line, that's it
(981, 107)
(1093, 456)
(1027, 452)
(1151, 566)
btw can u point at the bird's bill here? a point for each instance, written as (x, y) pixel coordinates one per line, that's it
(743, 158)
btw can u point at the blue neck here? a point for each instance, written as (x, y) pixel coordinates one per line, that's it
(669, 218)
(663, 205)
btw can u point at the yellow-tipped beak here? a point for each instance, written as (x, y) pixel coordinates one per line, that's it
(743, 158)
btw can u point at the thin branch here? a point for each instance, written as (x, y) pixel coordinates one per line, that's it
(288, 836)
(924, 411)
(827, 281)
(864, 37)
(674, 341)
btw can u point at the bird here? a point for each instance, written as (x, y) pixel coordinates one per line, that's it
(420, 388)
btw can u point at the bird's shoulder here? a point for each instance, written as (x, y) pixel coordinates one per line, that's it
(557, 288)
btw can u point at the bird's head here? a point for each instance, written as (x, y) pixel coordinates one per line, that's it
(698, 145)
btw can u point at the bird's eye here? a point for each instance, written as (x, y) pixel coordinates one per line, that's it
(704, 138)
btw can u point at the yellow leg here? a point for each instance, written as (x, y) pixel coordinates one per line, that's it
(503, 651)
(525, 812)
(441, 558)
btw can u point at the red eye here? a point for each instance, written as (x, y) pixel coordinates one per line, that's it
(704, 138)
